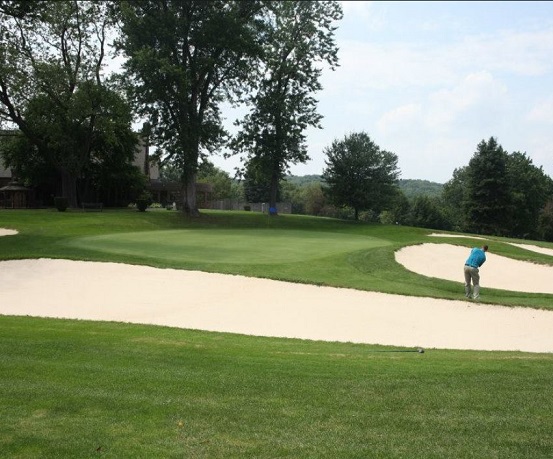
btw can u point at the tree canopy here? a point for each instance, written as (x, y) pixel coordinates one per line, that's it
(359, 174)
(299, 39)
(52, 86)
(183, 59)
(498, 193)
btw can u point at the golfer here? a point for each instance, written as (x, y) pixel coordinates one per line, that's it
(476, 259)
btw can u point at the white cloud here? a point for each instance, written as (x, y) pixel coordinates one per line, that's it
(479, 93)
(541, 112)
(400, 119)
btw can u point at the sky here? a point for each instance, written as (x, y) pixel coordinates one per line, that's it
(428, 81)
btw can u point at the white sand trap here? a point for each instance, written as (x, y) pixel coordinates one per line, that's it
(7, 232)
(534, 248)
(446, 261)
(455, 235)
(217, 302)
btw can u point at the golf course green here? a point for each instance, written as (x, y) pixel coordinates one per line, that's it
(250, 246)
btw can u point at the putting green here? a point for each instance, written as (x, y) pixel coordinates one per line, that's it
(229, 246)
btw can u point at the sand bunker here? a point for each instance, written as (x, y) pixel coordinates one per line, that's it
(534, 248)
(7, 232)
(445, 261)
(237, 304)
(455, 235)
(217, 302)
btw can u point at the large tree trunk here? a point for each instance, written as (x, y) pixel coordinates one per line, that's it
(69, 188)
(273, 194)
(189, 204)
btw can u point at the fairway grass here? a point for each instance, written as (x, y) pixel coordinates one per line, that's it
(87, 389)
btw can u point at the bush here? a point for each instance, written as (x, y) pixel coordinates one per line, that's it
(61, 203)
(143, 201)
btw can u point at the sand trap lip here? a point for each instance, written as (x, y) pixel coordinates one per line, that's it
(445, 261)
(532, 248)
(7, 232)
(456, 235)
(237, 304)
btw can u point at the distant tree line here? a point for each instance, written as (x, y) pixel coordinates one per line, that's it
(497, 192)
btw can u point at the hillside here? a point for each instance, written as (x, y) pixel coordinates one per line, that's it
(411, 188)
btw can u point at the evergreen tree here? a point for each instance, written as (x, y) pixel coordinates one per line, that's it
(488, 206)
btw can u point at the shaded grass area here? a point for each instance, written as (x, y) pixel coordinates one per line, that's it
(294, 248)
(85, 389)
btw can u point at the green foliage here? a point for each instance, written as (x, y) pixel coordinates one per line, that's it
(257, 188)
(359, 174)
(184, 58)
(454, 197)
(498, 193)
(301, 180)
(427, 213)
(61, 203)
(299, 37)
(488, 202)
(530, 188)
(219, 179)
(414, 188)
(545, 223)
(143, 201)
(55, 94)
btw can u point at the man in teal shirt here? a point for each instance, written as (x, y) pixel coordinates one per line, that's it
(476, 259)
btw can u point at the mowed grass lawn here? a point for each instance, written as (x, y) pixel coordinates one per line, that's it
(90, 389)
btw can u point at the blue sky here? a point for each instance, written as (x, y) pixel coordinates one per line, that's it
(429, 80)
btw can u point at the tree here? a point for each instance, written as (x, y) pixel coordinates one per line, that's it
(256, 187)
(529, 188)
(399, 210)
(545, 227)
(454, 197)
(52, 85)
(488, 204)
(426, 212)
(300, 37)
(184, 58)
(313, 198)
(359, 174)
(218, 178)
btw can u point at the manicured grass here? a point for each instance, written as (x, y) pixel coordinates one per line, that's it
(245, 246)
(84, 389)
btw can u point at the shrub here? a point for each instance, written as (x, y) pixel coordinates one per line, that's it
(143, 201)
(61, 203)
